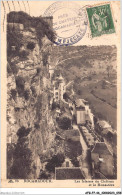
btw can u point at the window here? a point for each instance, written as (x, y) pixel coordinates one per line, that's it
(31, 45)
(67, 164)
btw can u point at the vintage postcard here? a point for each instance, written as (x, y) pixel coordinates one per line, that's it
(60, 94)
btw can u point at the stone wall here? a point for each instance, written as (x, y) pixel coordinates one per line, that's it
(28, 104)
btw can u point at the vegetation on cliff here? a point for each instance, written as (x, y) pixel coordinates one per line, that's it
(41, 27)
(55, 161)
(27, 96)
(22, 156)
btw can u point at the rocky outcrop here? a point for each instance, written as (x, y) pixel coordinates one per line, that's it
(29, 121)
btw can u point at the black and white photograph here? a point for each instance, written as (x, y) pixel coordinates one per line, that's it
(61, 105)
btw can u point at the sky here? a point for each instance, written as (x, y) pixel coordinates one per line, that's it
(38, 8)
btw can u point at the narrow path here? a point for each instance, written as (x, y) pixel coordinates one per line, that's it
(84, 163)
(109, 146)
(83, 143)
(69, 83)
(72, 93)
(103, 100)
(60, 62)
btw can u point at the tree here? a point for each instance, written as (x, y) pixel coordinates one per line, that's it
(26, 94)
(79, 92)
(14, 68)
(104, 85)
(20, 83)
(108, 70)
(23, 55)
(64, 123)
(33, 89)
(65, 96)
(13, 93)
(55, 161)
(43, 175)
(22, 132)
(55, 105)
(45, 59)
(22, 159)
(75, 162)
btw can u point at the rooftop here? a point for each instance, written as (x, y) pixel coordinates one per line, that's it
(68, 173)
(72, 132)
(67, 115)
(104, 124)
(79, 103)
(101, 148)
(60, 77)
(107, 130)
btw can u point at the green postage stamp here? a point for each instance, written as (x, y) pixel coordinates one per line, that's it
(100, 20)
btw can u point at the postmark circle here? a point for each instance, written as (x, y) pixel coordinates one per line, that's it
(69, 22)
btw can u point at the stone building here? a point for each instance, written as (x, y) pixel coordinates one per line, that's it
(102, 160)
(68, 171)
(59, 88)
(15, 26)
(83, 112)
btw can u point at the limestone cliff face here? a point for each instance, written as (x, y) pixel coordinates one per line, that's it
(29, 117)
